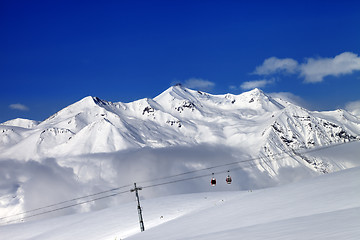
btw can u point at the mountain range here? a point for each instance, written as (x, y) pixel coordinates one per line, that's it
(252, 121)
(93, 145)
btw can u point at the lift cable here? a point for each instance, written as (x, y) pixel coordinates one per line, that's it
(233, 168)
(65, 207)
(160, 184)
(99, 198)
(246, 160)
(67, 201)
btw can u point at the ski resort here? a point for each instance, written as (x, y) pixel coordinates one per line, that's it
(238, 162)
(179, 120)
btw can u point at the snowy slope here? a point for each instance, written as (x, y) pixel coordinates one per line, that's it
(326, 207)
(311, 209)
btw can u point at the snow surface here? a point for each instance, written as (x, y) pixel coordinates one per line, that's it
(325, 207)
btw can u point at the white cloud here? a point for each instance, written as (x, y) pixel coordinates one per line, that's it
(275, 65)
(32, 180)
(256, 84)
(314, 70)
(353, 107)
(19, 106)
(199, 83)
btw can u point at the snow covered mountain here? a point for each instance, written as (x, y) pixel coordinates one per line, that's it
(253, 122)
(93, 145)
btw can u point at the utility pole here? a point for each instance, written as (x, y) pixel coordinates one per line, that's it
(138, 207)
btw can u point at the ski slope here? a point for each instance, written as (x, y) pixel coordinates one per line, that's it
(325, 207)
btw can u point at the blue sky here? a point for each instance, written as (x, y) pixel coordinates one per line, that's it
(53, 53)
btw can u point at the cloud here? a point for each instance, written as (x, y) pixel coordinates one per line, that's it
(353, 107)
(233, 87)
(30, 185)
(256, 84)
(199, 83)
(19, 106)
(275, 65)
(314, 70)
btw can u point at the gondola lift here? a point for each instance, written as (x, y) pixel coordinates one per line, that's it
(228, 179)
(213, 180)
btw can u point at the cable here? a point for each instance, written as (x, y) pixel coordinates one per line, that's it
(242, 161)
(160, 184)
(175, 181)
(186, 179)
(69, 206)
(232, 163)
(172, 176)
(70, 200)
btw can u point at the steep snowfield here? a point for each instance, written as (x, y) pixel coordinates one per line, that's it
(325, 207)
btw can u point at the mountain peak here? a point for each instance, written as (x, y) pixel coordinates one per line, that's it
(175, 92)
(257, 99)
(89, 101)
(21, 122)
(256, 92)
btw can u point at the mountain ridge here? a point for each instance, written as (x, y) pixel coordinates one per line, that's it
(181, 116)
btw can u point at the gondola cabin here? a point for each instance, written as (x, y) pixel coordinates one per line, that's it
(213, 181)
(228, 179)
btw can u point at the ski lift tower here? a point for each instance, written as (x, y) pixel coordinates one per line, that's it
(138, 207)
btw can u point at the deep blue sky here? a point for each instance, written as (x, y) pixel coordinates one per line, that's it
(53, 53)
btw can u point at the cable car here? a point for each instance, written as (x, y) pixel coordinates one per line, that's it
(213, 181)
(228, 179)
